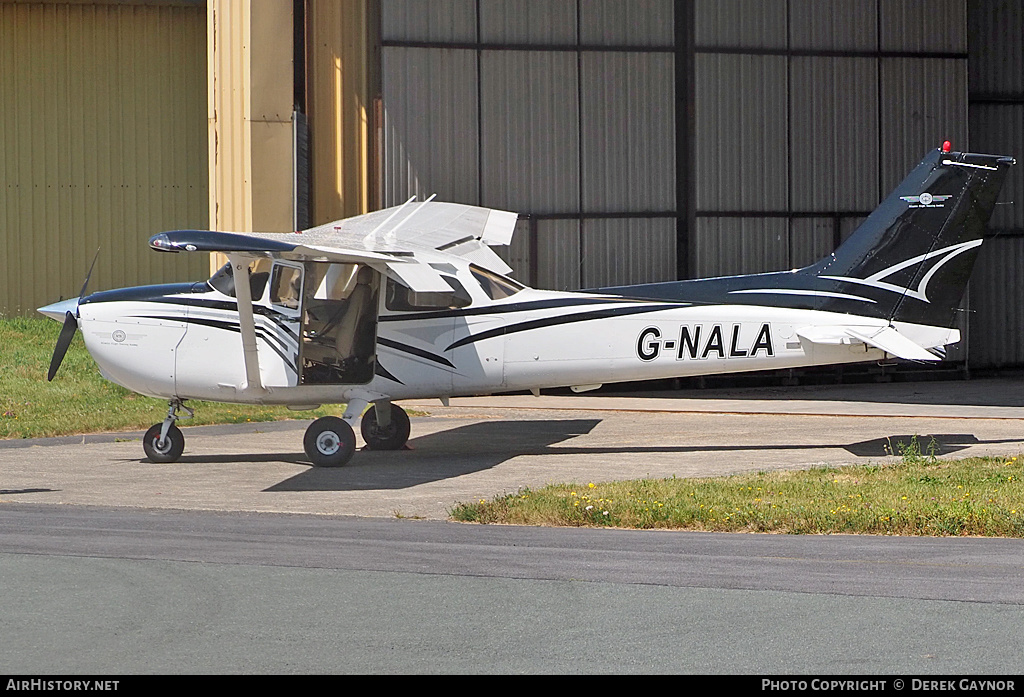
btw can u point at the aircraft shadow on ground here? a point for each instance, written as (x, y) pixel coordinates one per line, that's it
(480, 446)
(439, 456)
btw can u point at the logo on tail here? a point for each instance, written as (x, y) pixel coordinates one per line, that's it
(926, 200)
(920, 293)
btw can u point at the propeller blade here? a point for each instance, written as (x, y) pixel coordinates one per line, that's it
(67, 333)
(89, 275)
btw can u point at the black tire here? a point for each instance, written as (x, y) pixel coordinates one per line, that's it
(173, 447)
(393, 437)
(329, 442)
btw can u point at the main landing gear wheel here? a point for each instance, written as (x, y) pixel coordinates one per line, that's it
(329, 442)
(390, 437)
(168, 451)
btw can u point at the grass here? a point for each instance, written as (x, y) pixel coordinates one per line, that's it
(919, 495)
(79, 400)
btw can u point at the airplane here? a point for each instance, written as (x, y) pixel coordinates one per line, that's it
(411, 302)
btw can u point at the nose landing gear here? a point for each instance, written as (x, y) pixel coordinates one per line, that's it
(164, 442)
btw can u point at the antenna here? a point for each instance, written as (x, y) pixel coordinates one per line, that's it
(389, 236)
(370, 238)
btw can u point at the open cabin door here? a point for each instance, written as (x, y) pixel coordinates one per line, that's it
(339, 324)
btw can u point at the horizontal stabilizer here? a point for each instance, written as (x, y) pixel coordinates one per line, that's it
(891, 341)
(884, 338)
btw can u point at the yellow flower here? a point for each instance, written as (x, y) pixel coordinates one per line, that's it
(591, 485)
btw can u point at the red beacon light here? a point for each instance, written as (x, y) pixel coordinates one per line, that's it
(946, 146)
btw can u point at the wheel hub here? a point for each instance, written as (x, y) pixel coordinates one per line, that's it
(328, 443)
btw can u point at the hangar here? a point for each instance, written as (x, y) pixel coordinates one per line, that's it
(639, 141)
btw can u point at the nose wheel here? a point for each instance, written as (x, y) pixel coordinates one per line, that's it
(164, 442)
(168, 449)
(329, 442)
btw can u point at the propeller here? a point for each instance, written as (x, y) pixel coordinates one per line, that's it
(67, 332)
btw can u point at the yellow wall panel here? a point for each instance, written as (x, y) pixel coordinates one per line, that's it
(249, 114)
(339, 79)
(103, 145)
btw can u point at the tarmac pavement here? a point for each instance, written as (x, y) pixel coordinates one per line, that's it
(485, 446)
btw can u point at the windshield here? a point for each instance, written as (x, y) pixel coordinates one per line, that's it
(495, 285)
(224, 280)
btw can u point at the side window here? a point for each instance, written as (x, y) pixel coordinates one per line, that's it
(286, 286)
(401, 298)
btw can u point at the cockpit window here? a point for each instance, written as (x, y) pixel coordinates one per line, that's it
(224, 281)
(495, 285)
(402, 298)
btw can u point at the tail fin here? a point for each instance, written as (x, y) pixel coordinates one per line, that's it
(914, 254)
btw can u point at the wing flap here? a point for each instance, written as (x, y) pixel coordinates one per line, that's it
(481, 255)
(420, 277)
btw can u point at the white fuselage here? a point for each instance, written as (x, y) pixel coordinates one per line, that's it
(188, 345)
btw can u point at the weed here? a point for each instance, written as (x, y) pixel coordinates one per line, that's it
(912, 454)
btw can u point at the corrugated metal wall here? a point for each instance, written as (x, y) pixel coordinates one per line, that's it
(805, 114)
(561, 111)
(806, 107)
(808, 113)
(996, 89)
(104, 143)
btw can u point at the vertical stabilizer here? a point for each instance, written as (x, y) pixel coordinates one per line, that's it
(914, 254)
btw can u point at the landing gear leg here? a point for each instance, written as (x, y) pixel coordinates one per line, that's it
(385, 426)
(164, 442)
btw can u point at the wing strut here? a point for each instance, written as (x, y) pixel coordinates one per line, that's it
(247, 324)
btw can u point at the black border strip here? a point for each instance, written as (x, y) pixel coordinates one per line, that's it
(551, 304)
(412, 350)
(384, 372)
(561, 319)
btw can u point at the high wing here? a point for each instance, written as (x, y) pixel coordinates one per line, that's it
(402, 239)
